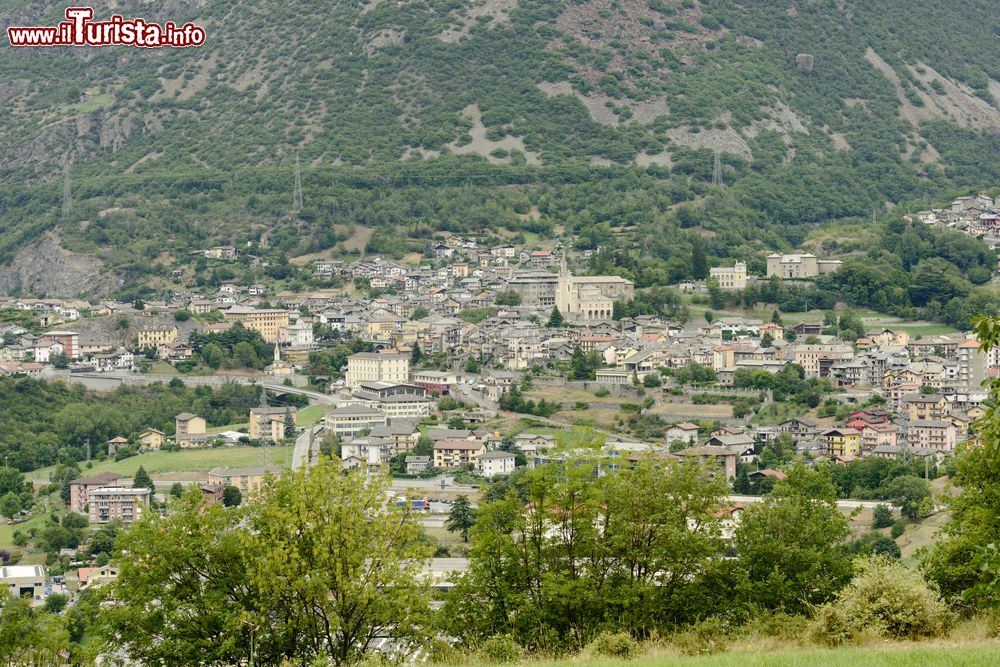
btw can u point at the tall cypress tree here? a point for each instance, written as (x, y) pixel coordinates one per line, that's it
(699, 263)
(143, 480)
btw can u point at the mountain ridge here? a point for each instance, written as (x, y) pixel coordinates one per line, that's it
(820, 110)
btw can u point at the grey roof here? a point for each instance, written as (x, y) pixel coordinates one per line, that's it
(99, 478)
(496, 455)
(448, 434)
(350, 410)
(243, 472)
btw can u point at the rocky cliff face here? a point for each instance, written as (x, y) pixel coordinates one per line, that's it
(47, 269)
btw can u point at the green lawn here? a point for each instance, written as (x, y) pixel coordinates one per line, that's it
(39, 520)
(904, 655)
(244, 427)
(162, 368)
(871, 318)
(191, 460)
(310, 416)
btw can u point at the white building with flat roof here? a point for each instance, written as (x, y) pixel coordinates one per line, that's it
(495, 464)
(24, 581)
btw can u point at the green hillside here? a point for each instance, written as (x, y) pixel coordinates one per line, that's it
(495, 114)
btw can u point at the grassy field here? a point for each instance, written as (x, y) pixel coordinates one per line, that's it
(872, 319)
(696, 411)
(310, 416)
(244, 428)
(892, 655)
(191, 460)
(39, 520)
(162, 368)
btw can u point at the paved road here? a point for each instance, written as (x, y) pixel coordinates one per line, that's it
(466, 392)
(302, 455)
(842, 504)
(432, 484)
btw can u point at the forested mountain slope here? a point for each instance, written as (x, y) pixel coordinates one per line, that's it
(595, 112)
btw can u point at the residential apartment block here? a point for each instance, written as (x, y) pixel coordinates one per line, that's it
(348, 421)
(116, 503)
(268, 323)
(247, 480)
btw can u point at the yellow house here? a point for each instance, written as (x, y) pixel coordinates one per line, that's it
(156, 336)
(842, 442)
(190, 429)
(152, 439)
(382, 325)
(267, 322)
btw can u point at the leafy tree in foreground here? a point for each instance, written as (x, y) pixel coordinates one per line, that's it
(791, 546)
(461, 517)
(314, 569)
(342, 568)
(563, 554)
(30, 636)
(885, 599)
(193, 563)
(966, 563)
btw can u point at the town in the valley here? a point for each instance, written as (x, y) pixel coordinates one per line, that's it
(477, 361)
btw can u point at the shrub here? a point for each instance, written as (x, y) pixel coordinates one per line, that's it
(601, 393)
(876, 544)
(882, 517)
(897, 528)
(769, 623)
(500, 649)
(613, 645)
(441, 652)
(703, 638)
(884, 599)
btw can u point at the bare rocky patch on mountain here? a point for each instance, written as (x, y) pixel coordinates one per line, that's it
(955, 102)
(46, 268)
(491, 12)
(495, 151)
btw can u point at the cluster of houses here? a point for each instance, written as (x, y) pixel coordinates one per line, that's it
(977, 216)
